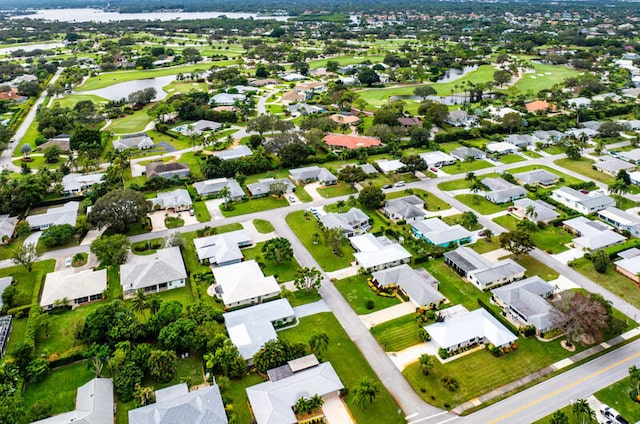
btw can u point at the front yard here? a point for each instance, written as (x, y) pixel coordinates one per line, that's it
(482, 205)
(397, 334)
(550, 239)
(616, 283)
(460, 167)
(283, 272)
(431, 202)
(253, 205)
(357, 292)
(583, 166)
(340, 189)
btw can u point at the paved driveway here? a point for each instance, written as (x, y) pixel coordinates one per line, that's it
(335, 410)
(213, 206)
(311, 309)
(387, 314)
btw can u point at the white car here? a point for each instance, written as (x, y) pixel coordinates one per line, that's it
(292, 199)
(67, 262)
(400, 184)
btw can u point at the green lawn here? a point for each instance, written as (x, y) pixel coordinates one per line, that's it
(535, 267)
(254, 205)
(70, 100)
(616, 283)
(135, 122)
(340, 189)
(550, 239)
(26, 282)
(285, 271)
(544, 77)
(397, 334)
(567, 411)
(302, 194)
(237, 395)
(458, 184)
(357, 292)
(453, 287)
(109, 78)
(465, 167)
(263, 227)
(512, 158)
(302, 297)
(59, 387)
(484, 246)
(617, 397)
(481, 205)
(431, 202)
(350, 365)
(201, 211)
(583, 166)
(532, 154)
(38, 162)
(554, 150)
(305, 228)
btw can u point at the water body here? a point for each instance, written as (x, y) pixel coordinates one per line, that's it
(31, 47)
(123, 89)
(98, 15)
(447, 100)
(456, 73)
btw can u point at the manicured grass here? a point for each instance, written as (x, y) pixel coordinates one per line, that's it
(229, 227)
(616, 283)
(38, 162)
(535, 267)
(456, 219)
(109, 78)
(147, 247)
(532, 154)
(357, 292)
(26, 282)
(185, 87)
(254, 205)
(567, 411)
(453, 287)
(544, 77)
(583, 166)
(481, 205)
(458, 184)
(237, 395)
(450, 146)
(567, 178)
(461, 167)
(431, 202)
(71, 100)
(285, 271)
(191, 257)
(513, 158)
(340, 189)
(554, 150)
(305, 228)
(201, 211)
(550, 239)
(617, 397)
(135, 122)
(263, 227)
(350, 365)
(397, 334)
(59, 387)
(480, 372)
(302, 194)
(484, 246)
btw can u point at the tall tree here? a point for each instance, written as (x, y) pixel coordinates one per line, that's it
(517, 242)
(26, 255)
(111, 250)
(583, 411)
(584, 317)
(277, 249)
(308, 279)
(427, 363)
(162, 365)
(118, 209)
(371, 197)
(365, 392)
(319, 343)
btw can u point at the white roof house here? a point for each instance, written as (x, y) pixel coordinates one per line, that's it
(462, 153)
(520, 140)
(629, 265)
(539, 177)
(480, 271)
(250, 328)
(621, 220)
(272, 401)
(164, 270)
(375, 253)
(579, 102)
(77, 183)
(178, 199)
(437, 159)
(544, 212)
(436, 231)
(418, 284)
(501, 148)
(243, 284)
(140, 142)
(612, 166)
(226, 99)
(214, 187)
(387, 166)
(176, 404)
(593, 235)
(59, 215)
(313, 173)
(94, 405)
(235, 152)
(465, 328)
(263, 186)
(409, 208)
(502, 191)
(198, 127)
(635, 177)
(77, 287)
(352, 222)
(222, 249)
(583, 203)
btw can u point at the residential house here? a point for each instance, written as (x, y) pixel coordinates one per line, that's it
(623, 221)
(263, 82)
(235, 152)
(387, 166)
(313, 173)
(272, 402)
(167, 170)
(629, 264)
(73, 184)
(352, 222)
(548, 137)
(407, 208)
(176, 200)
(5, 330)
(611, 166)
(502, 191)
(410, 122)
(418, 284)
(632, 156)
(65, 214)
(250, 328)
(94, 405)
(133, 141)
(245, 89)
(293, 76)
(501, 148)
(222, 249)
(460, 118)
(499, 113)
(72, 287)
(345, 119)
(464, 153)
(461, 328)
(367, 168)
(537, 177)
(538, 106)
(520, 140)
(7, 227)
(579, 133)
(480, 271)
(243, 283)
(198, 127)
(375, 253)
(437, 159)
(542, 211)
(178, 404)
(347, 141)
(215, 186)
(305, 109)
(527, 302)
(435, 231)
(226, 99)
(579, 102)
(263, 187)
(294, 96)
(635, 177)
(584, 203)
(64, 144)
(163, 270)
(592, 235)
(311, 87)
(592, 125)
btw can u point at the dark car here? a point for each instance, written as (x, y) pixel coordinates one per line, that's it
(387, 186)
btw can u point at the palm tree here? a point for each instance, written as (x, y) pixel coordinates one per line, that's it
(340, 205)
(365, 393)
(319, 343)
(583, 411)
(139, 303)
(468, 219)
(427, 362)
(154, 304)
(471, 176)
(531, 212)
(475, 188)
(225, 194)
(315, 239)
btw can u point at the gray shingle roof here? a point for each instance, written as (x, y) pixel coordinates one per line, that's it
(264, 186)
(418, 284)
(163, 266)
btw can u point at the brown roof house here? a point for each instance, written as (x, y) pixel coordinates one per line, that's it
(344, 119)
(539, 106)
(167, 170)
(346, 141)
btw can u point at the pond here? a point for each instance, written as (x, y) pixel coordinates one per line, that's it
(453, 74)
(30, 47)
(123, 89)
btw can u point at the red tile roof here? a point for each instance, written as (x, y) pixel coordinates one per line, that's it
(538, 105)
(350, 141)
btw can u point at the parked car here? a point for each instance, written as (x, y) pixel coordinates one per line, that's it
(192, 212)
(481, 233)
(292, 199)
(583, 191)
(67, 262)
(433, 169)
(400, 184)
(386, 186)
